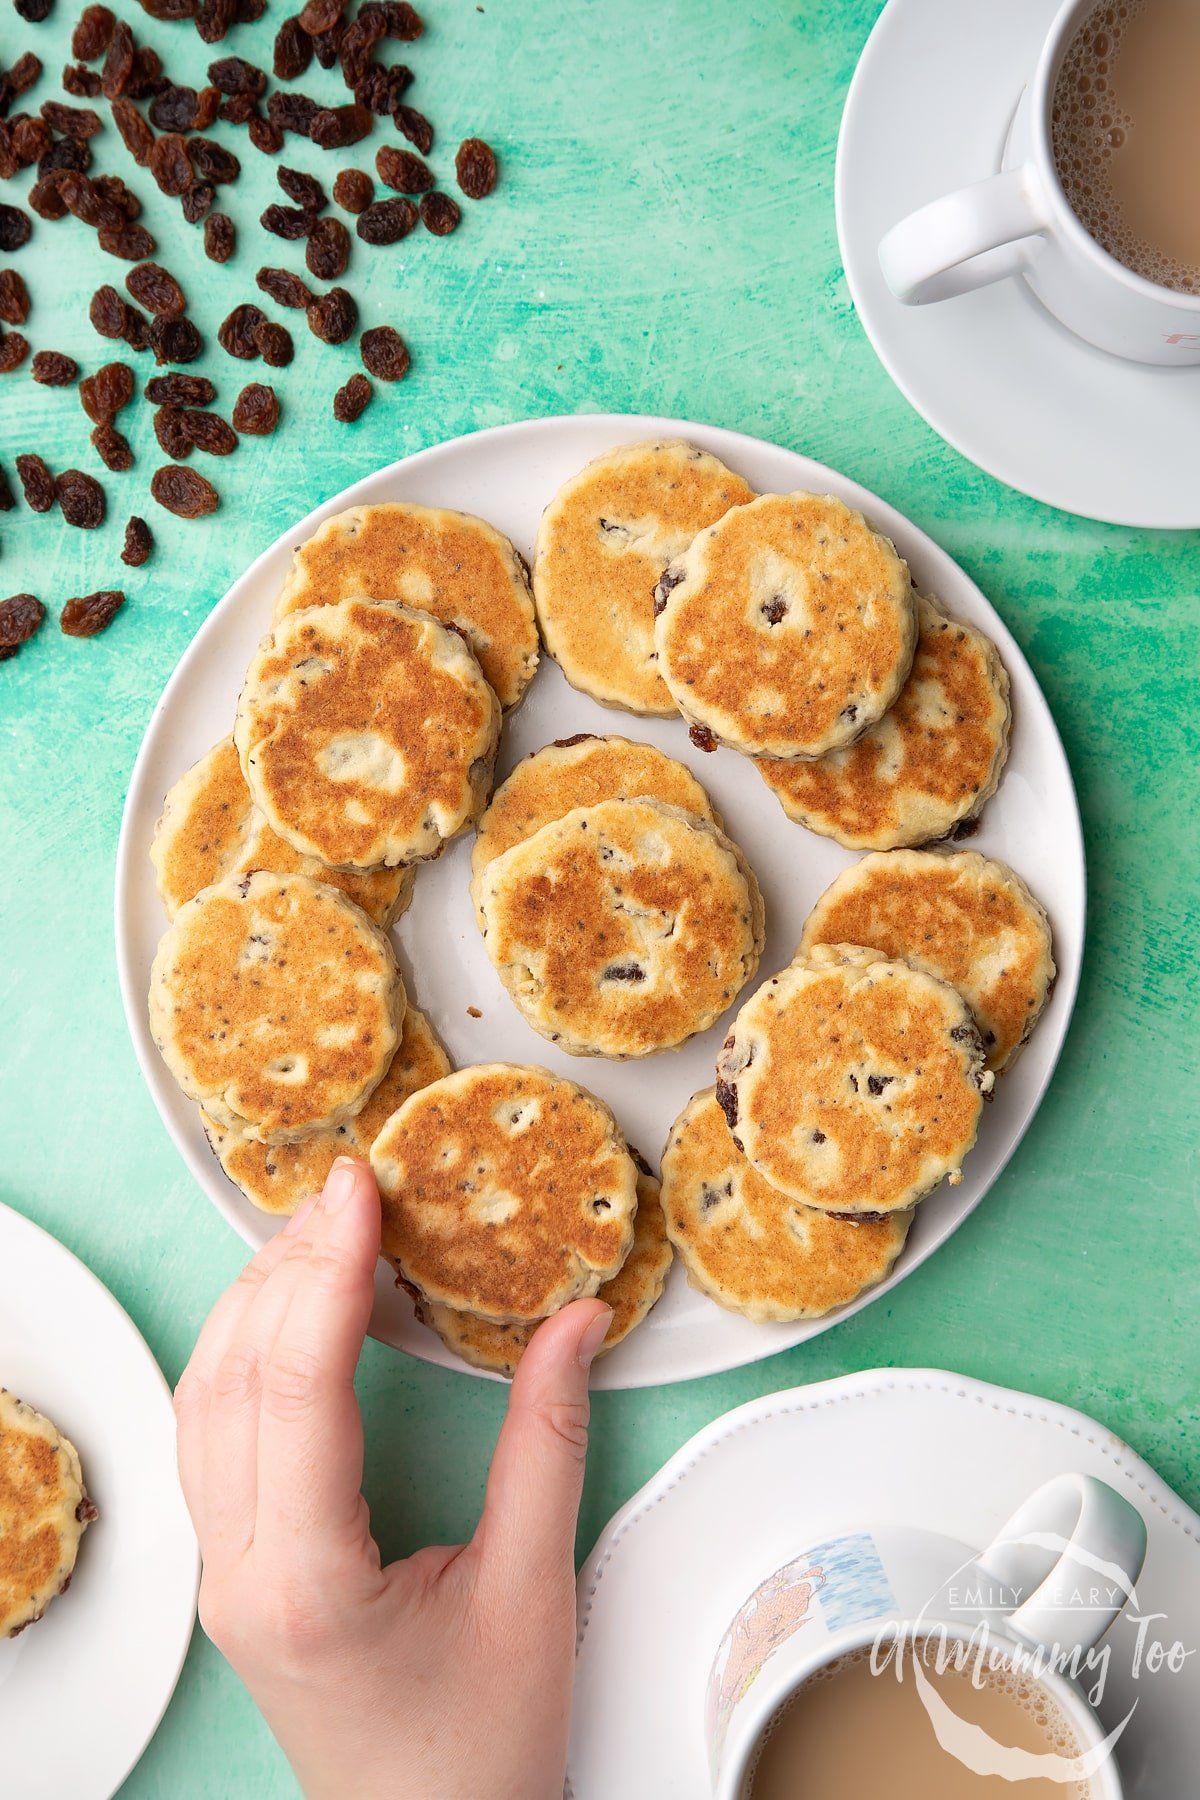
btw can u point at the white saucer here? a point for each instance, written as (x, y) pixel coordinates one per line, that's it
(888, 1446)
(508, 475)
(82, 1691)
(929, 110)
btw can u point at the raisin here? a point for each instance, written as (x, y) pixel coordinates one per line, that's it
(14, 228)
(266, 136)
(174, 340)
(138, 542)
(87, 615)
(305, 190)
(403, 21)
(386, 222)
(384, 353)
(256, 410)
(112, 448)
(210, 432)
(381, 89)
(320, 15)
(338, 126)
(180, 390)
(146, 77)
(274, 344)
(111, 190)
(34, 11)
(156, 289)
(184, 492)
(79, 122)
(37, 481)
(67, 153)
(208, 104)
(439, 214)
(53, 369)
(246, 12)
(353, 190)
(7, 498)
(107, 312)
(20, 616)
(326, 45)
(90, 38)
(83, 83)
(293, 51)
(132, 243)
(213, 162)
(350, 401)
(475, 167)
(137, 135)
(284, 287)
(171, 165)
(289, 222)
(174, 109)
(88, 202)
(213, 19)
(328, 249)
(103, 394)
(118, 62)
(220, 237)
(238, 109)
(234, 75)
(170, 9)
(80, 498)
(21, 76)
(14, 348)
(170, 428)
(236, 335)
(195, 203)
(32, 139)
(401, 170)
(292, 112)
(333, 317)
(415, 127)
(358, 41)
(14, 298)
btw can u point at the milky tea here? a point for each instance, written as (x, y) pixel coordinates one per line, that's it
(1125, 132)
(849, 1733)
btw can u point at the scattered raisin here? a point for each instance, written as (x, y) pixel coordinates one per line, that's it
(184, 492)
(386, 222)
(208, 104)
(274, 344)
(197, 200)
(80, 498)
(353, 190)
(90, 38)
(170, 428)
(7, 498)
(45, 199)
(132, 243)
(213, 162)
(83, 83)
(170, 9)
(236, 335)
(320, 15)
(31, 139)
(256, 410)
(89, 202)
(137, 135)
(439, 214)
(219, 237)
(210, 432)
(328, 249)
(384, 353)
(305, 190)
(335, 127)
(138, 542)
(14, 348)
(326, 45)
(21, 77)
(170, 164)
(66, 153)
(333, 316)
(14, 228)
(107, 312)
(290, 222)
(174, 340)
(293, 51)
(180, 390)
(292, 112)
(20, 616)
(79, 122)
(401, 170)
(358, 41)
(14, 298)
(112, 448)
(37, 481)
(266, 136)
(350, 401)
(156, 289)
(284, 287)
(415, 127)
(475, 167)
(113, 192)
(53, 369)
(234, 75)
(146, 77)
(103, 394)
(381, 89)
(403, 21)
(34, 12)
(214, 17)
(87, 615)
(118, 62)
(238, 109)
(174, 109)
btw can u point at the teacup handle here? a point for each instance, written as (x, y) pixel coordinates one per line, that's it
(978, 234)
(1075, 1534)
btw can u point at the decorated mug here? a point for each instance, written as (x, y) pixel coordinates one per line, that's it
(1042, 1594)
(1020, 222)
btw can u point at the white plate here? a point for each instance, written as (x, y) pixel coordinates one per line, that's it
(929, 110)
(82, 1692)
(889, 1447)
(508, 475)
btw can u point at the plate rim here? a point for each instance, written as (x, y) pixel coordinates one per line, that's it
(727, 442)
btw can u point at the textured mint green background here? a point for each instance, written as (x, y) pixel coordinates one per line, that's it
(663, 241)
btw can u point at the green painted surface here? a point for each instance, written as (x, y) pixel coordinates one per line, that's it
(663, 241)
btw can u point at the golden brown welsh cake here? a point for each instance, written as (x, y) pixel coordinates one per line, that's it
(366, 733)
(753, 1249)
(276, 1004)
(787, 628)
(459, 568)
(506, 1192)
(853, 1083)
(44, 1512)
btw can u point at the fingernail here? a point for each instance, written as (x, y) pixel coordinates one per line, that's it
(593, 1337)
(296, 1222)
(339, 1184)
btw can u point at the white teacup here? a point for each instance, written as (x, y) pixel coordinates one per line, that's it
(1074, 1537)
(1020, 223)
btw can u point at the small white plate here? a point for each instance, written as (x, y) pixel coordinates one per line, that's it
(994, 374)
(888, 1447)
(508, 475)
(82, 1691)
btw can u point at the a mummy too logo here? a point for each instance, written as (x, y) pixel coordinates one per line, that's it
(982, 1688)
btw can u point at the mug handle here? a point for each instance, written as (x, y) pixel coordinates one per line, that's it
(1074, 1533)
(978, 234)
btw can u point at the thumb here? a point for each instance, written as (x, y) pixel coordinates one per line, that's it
(526, 1536)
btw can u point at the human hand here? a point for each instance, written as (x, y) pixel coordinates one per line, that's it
(442, 1677)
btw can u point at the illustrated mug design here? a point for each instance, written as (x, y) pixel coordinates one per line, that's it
(1045, 1591)
(1020, 223)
